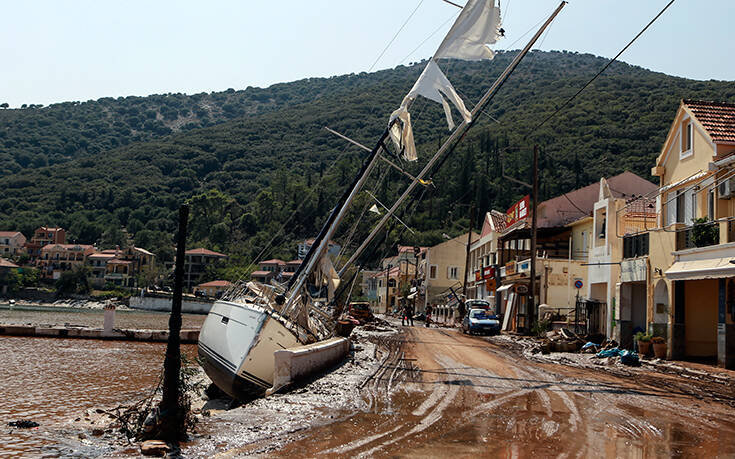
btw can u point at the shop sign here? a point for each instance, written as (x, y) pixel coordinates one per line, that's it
(633, 270)
(517, 211)
(524, 266)
(478, 275)
(510, 268)
(521, 289)
(488, 271)
(490, 285)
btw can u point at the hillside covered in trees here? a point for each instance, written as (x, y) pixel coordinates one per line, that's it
(257, 164)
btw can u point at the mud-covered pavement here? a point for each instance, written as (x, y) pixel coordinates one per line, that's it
(438, 393)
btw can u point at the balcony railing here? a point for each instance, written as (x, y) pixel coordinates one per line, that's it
(699, 235)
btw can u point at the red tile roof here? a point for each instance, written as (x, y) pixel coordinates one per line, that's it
(570, 207)
(272, 261)
(409, 248)
(9, 233)
(216, 283)
(7, 264)
(261, 273)
(102, 255)
(115, 261)
(203, 251)
(294, 262)
(67, 246)
(718, 118)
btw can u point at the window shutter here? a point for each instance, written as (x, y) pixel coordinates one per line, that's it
(670, 208)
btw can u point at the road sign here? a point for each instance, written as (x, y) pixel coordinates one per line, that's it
(578, 283)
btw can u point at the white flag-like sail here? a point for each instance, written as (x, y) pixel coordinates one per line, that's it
(476, 27)
(433, 85)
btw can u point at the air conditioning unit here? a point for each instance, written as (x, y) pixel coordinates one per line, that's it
(726, 189)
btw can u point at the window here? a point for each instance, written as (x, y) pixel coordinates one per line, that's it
(686, 139)
(711, 205)
(680, 207)
(432, 272)
(635, 246)
(453, 272)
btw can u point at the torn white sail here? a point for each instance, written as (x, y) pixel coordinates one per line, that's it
(476, 27)
(329, 276)
(433, 85)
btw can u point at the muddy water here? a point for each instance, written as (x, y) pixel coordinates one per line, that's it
(94, 318)
(53, 381)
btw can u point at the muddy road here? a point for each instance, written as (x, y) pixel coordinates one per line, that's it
(438, 393)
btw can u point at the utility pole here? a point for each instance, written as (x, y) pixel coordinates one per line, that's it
(387, 281)
(171, 414)
(467, 255)
(534, 205)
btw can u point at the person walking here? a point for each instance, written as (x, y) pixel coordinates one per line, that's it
(407, 317)
(428, 315)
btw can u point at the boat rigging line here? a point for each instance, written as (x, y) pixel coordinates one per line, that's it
(457, 134)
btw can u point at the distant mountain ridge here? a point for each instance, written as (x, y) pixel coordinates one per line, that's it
(268, 159)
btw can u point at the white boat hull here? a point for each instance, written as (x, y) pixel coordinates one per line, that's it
(236, 346)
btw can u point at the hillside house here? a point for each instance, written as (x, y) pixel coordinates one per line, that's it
(12, 243)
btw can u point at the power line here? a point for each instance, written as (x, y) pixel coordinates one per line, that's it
(396, 35)
(603, 68)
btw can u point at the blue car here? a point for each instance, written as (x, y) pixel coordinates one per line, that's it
(480, 322)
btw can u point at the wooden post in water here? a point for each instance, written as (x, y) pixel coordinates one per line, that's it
(170, 410)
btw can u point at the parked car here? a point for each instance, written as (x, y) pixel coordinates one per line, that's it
(480, 321)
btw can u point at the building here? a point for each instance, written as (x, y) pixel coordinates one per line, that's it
(119, 267)
(268, 270)
(686, 260)
(304, 247)
(44, 236)
(196, 264)
(387, 281)
(97, 263)
(443, 267)
(213, 289)
(481, 277)
(5, 268)
(54, 259)
(120, 273)
(289, 269)
(369, 287)
(12, 243)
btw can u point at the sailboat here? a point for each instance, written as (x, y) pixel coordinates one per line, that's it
(253, 320)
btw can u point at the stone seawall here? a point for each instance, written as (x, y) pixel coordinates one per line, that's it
(163, 304)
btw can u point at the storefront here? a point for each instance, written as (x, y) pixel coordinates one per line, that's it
(704, 304)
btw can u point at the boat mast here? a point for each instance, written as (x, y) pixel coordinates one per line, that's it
(458, 133)
(321, 242)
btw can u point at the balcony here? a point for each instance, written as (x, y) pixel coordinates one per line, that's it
(701, 234)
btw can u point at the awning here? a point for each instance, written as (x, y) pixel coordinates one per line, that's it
(503, 288)
(712, 268)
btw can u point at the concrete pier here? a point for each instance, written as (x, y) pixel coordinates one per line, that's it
(187, 335)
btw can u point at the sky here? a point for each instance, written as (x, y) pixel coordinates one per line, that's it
(52, 51)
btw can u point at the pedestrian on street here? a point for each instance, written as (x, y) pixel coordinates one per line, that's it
(428, 316)
(407, 316)
(410, 313)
